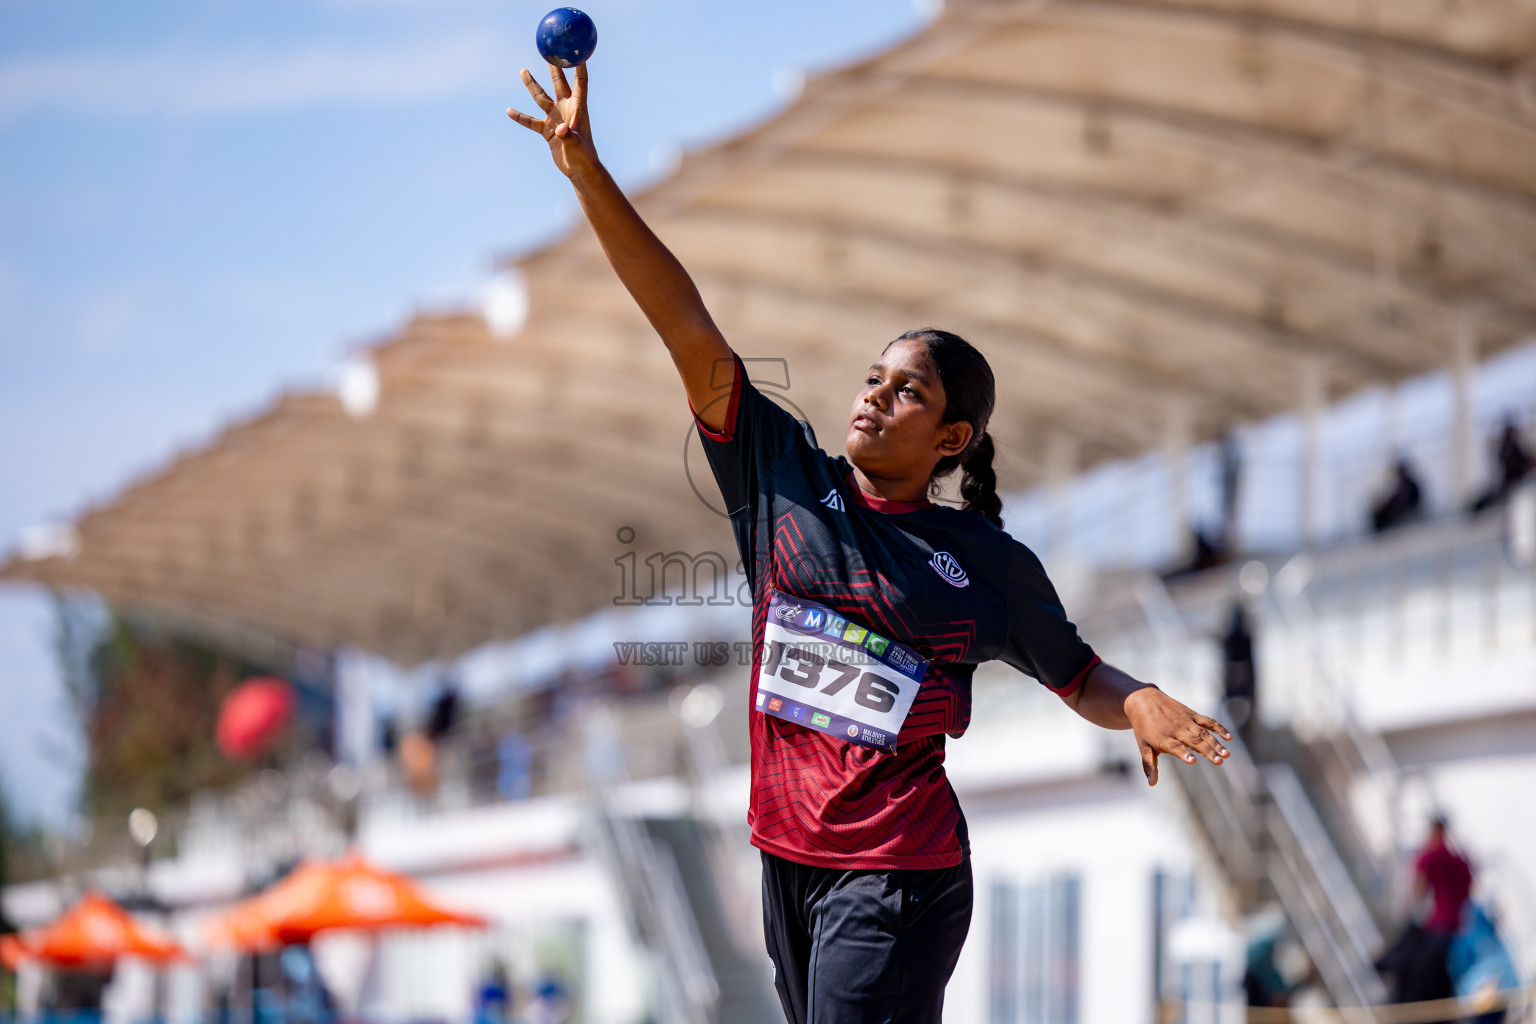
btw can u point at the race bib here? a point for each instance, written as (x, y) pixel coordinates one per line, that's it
(833, 675)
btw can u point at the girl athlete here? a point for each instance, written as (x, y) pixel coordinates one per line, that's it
(871, 609)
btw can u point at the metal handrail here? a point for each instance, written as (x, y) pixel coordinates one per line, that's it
(650, 884)
(1369, 750)
(1316, 889)
(1352, 952)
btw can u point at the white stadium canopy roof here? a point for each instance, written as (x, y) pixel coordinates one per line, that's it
(1145, 212)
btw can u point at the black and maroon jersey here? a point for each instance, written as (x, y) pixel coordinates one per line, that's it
(946, 583)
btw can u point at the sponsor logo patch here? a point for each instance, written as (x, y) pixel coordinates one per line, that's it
(876, 644)
(835, 625)
(811, 619)
(775, 704)
(945, 565)
(853, 730)
(821, 720)
(854, 634)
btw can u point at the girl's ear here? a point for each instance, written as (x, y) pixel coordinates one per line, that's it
(954, 438)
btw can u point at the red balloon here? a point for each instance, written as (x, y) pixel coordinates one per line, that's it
(253, 715)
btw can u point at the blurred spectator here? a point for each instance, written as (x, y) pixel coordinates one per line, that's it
(1416, 966)
(1446, 876)
(484, 762)
(389, 738)
(550, 1004)
(1263, 982)
(514, 775)
(1515, 465)
(76, 992)
(493, 1000)
(1239, 684)
(306, 999)
(1418, 961)
(1207, 554)
(1480, 965)
(1404, 504)
(445, 711)
(419, 759)
(1231, 482)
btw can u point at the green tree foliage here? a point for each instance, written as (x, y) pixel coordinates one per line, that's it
(148, 701)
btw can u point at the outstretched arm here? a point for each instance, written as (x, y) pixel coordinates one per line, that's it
(653, 276)
(1113, 700)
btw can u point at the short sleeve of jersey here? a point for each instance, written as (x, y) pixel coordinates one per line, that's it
(757, 433)
(1042, 641)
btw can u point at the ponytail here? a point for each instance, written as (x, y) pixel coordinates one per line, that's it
(969, 392)
(978, 484)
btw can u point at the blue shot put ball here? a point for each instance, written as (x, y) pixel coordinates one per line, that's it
(566, 37)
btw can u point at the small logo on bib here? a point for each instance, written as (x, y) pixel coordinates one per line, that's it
(853, 730)
(945, 565)
(787, 612)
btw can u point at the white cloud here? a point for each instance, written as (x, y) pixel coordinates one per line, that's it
(206, 85)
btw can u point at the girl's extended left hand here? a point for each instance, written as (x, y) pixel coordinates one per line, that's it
(1164, 726)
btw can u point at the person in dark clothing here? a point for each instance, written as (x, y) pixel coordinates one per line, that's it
(1239, 684)
(1515, 464)
(445, 711)
(1263, 982)
(1416, 962)
(1231, 483)
(1206, 552)
(1403, 504)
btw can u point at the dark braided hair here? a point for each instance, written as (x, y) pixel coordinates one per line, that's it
(970, 391)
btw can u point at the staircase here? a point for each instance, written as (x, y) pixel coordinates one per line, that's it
(745, 990)
(1261, 827)
(676, 885)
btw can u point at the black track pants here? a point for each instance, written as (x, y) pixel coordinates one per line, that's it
(864, 947)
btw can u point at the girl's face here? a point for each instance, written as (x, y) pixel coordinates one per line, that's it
(896, 429)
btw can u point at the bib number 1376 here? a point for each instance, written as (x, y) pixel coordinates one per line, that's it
(828, 676)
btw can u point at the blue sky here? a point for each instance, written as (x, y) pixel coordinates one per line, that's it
(201, 204)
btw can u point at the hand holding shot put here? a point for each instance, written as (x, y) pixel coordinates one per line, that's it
(564, 125)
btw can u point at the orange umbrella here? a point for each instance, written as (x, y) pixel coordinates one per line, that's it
(318, 896)
(11, 952)
(95, 932)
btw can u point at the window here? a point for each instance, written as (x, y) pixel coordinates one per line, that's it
(1034, 951)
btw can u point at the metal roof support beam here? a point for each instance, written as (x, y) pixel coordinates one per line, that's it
(1312, 400)
(1463, 450)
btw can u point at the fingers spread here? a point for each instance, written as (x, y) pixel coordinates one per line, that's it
(1206, 744)
(1213, 725)
(537, 92)
(527, 122)
(1202, 739)
(580, 95)
(1178, 750)
(557, 79)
